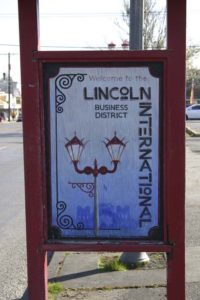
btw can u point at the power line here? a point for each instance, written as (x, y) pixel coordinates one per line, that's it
(10, 45)
(6, 53)
(71, 47)
(75, 47)
(77, 15)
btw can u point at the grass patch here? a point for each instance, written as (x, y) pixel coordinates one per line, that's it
(54, 288)
(111, 263)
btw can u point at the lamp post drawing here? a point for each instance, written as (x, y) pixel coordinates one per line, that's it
(115, 148)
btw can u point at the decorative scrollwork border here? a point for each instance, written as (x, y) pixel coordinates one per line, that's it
(85, 187)
(63, 82)
(65, 221)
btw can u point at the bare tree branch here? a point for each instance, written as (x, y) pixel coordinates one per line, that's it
(154, 25)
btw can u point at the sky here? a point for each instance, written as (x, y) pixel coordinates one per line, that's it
(74, 25)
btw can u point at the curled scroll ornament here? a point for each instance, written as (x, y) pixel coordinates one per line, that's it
(64, 82)
(86, 187)
(65, 221)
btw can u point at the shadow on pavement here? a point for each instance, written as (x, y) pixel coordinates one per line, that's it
(75, 275)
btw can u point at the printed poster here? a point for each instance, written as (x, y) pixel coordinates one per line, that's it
(104, 152)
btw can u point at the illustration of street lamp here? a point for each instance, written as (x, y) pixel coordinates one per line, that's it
(115, 148)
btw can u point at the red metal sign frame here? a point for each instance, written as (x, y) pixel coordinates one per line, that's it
(173, 149)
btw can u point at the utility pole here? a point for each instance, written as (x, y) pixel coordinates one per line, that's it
(9, 87)
(136, 43)
(136, 25)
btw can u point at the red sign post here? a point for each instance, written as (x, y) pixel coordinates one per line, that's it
(49, 228)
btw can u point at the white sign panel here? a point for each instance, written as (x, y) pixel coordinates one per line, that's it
(104, 152)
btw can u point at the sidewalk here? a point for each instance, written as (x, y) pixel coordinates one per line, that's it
(193, 128)
(79, 274)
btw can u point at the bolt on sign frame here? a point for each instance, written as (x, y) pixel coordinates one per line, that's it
(162, 99)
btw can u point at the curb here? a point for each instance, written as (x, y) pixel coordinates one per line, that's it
(192, 133)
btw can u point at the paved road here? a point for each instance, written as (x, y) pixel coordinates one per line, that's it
(12, 216)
